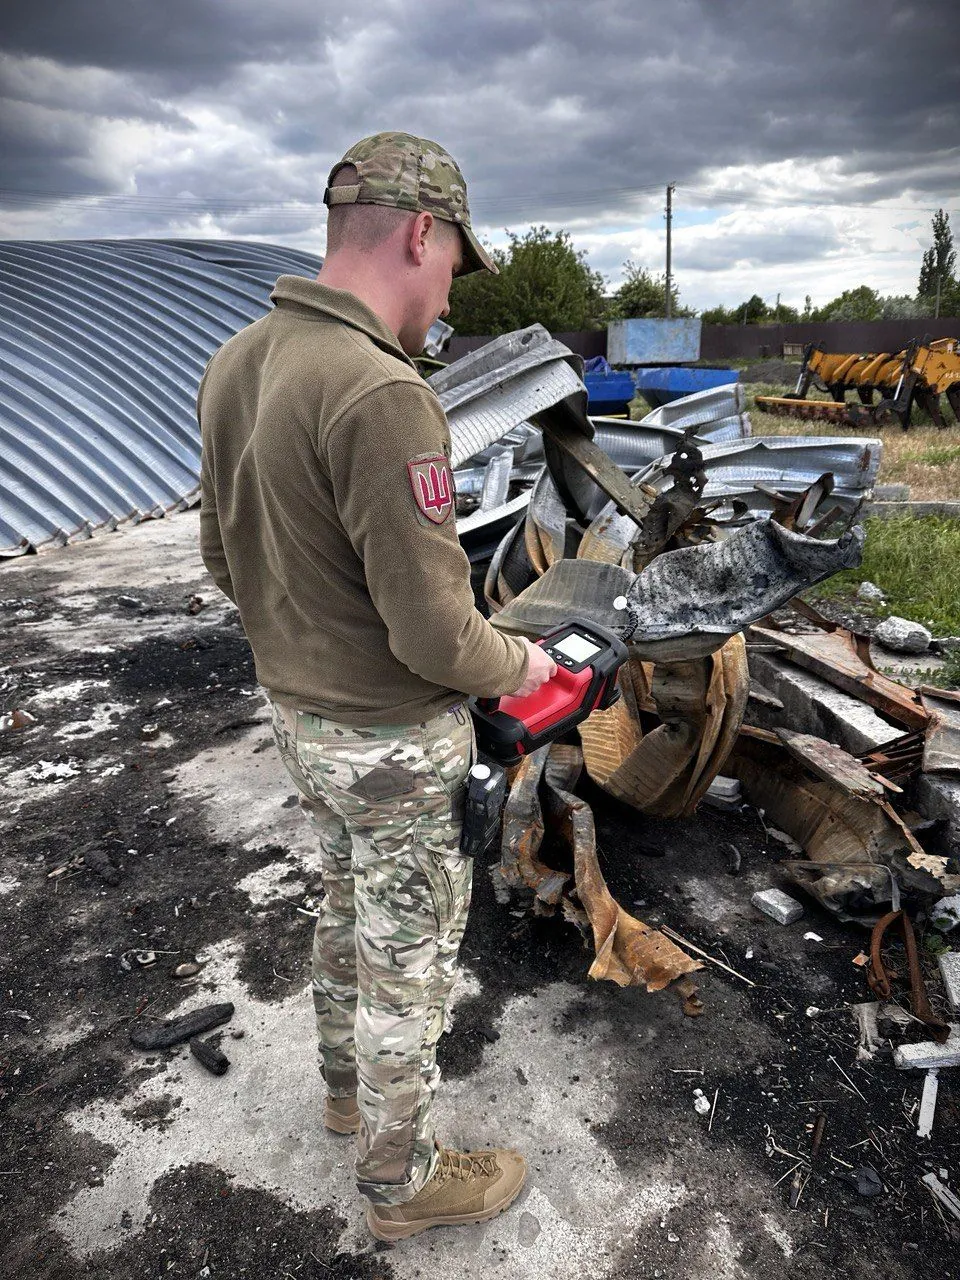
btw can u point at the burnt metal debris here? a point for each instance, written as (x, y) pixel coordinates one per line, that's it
(688, 536)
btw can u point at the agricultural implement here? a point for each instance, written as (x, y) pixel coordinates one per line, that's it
(918, 375)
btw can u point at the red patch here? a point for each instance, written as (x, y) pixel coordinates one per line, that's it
(432, 486)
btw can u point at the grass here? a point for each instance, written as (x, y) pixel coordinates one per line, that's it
(914, 561)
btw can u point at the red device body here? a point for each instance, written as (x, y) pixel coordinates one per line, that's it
(552, 701)
(588, 658)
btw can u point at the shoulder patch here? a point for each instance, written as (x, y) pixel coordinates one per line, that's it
(432, 486)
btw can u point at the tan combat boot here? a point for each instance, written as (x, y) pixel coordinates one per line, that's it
(342, 1115)
(467, 1186)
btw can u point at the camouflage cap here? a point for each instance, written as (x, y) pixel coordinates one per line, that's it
(405, 172)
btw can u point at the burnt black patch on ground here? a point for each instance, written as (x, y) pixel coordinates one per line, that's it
(201, 1219)
(175, 896)
(107, 880)
(772, 1066)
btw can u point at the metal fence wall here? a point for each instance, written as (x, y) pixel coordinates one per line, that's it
(720, 342)
(739, 342)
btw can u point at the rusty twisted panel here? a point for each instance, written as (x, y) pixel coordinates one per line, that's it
(666, 770)
(628, 952)
(857, 839)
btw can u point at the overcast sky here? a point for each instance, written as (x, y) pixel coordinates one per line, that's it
(809, 141)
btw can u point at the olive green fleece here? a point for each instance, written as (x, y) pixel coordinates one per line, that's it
(356, 606)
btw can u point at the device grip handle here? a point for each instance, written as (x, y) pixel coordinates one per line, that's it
(488, 705)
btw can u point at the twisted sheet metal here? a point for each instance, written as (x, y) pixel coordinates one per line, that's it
(632, 445)
(102, 345)
(503, 384)
(700, 406)
(791, 464)
(685, 604)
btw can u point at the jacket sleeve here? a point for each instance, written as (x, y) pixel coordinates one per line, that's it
(211, 541)
(417, 573)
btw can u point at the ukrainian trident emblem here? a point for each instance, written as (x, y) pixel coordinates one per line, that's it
(432, 487)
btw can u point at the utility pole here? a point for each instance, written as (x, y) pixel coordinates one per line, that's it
(669, 298)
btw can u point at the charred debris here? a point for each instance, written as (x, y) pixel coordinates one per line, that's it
(695, 539)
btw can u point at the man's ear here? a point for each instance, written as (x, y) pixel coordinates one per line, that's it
(420, 230)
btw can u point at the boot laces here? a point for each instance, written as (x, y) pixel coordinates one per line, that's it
(465, 1165)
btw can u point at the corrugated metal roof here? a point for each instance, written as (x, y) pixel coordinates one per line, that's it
(102, 345)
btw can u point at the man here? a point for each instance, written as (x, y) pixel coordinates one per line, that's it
(327, 515)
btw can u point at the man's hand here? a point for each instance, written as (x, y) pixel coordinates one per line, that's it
(539, 670)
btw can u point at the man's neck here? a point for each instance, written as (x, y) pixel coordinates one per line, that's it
(367, 286)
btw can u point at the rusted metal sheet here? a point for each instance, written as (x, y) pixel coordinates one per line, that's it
(523, 831)
(860, 852)
(590, 461)
(879, 978)
(667, 770)
(628, 952)
(545, 530)
(843, 658)
(831, 763)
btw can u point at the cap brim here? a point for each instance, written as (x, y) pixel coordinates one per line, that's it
(475, 257)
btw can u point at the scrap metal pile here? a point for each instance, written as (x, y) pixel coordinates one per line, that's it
(701, 533)
(919, 375)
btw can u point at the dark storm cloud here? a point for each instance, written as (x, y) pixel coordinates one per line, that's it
(558, 111)
(180, 41)
(760, 247)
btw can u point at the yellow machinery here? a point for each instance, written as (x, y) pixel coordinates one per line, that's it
(921, 374)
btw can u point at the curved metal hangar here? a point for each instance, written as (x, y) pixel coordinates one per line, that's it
(102, 345)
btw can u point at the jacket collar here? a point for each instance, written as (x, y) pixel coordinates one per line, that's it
(340, 305)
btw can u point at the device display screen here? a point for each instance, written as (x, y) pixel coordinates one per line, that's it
(576, 647)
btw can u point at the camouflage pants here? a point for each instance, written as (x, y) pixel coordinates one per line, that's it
(386, 803)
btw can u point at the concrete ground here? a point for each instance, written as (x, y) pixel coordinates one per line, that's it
(145, 821)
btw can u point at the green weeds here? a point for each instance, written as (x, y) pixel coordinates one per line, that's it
(916, 563)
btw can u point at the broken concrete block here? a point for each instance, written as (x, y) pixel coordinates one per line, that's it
(726, 788)
(724, 793)
(777, 905)
(870, 592)
(949, 962)
(811, 705)
(945, 914)
(928, 1054)
(903, 636)
(939, 797)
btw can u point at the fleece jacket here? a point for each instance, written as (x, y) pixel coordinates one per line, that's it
(327, 515)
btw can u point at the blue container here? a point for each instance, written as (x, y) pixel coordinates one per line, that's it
(661, 385)
(654, 341)
(609, 392)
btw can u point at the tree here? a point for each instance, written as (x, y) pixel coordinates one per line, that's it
(900, 307)
(718, 315)
(862, 303)
(643, 296)
(784, 314)
(753, 311)
(543, 280)
(938, 261)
